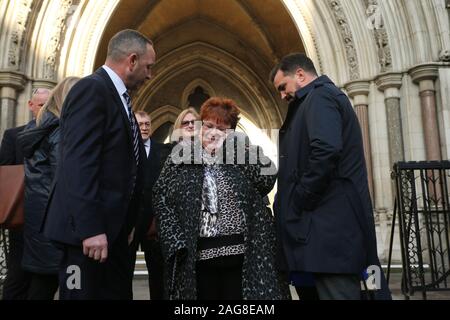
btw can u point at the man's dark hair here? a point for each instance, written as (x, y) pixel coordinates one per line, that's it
(290, 63)
(142, 114)
(126, 42)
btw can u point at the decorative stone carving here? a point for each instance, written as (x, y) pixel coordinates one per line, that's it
(376, 24)
(346, 33)
(13, 80)
(383, 216)
(313, 37)
(424, 72)
(40, 83)
(358, 89)
(66, 9)
(10, 83)
(17, 39)
(389, 80)
(444, 56)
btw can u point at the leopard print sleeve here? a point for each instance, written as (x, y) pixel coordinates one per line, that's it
(259, 169)
(252, 161)
(171, 236)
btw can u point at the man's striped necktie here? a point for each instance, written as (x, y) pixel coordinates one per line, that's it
(134, 128)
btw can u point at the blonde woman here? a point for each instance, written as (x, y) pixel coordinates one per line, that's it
(40, 147)
(186, 125)
(56, 99)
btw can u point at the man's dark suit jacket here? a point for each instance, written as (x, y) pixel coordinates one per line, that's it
(93, 191)
(9, 153)
(323, 207)
(153, 166)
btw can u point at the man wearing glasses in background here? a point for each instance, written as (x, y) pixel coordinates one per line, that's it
(17, 280)
(145, 232)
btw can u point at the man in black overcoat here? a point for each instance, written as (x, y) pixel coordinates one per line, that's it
(323, 208)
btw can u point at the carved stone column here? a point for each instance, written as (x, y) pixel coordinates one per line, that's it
(43, 83)
(10, 84)
(390, 83)
(424, 76)
(359, 91)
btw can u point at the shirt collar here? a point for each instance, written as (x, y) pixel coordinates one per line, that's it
(117, 81)
(303, 92)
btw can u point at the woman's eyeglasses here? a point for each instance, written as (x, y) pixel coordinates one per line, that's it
(186, 123)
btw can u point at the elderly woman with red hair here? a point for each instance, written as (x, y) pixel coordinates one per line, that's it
(216, 232)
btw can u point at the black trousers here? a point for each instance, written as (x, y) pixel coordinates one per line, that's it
(110, 280)
(332, 287)
(43, 286)
(307, 293)
(220, 278)
(155, 266)
(17, 280)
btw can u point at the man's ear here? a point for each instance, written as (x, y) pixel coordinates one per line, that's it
(133, 59)
(300, 75)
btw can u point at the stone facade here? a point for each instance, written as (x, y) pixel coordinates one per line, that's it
(391, 57)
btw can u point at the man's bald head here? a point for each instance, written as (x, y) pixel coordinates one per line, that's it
(125, 43)
(38, 99)
(131, 56)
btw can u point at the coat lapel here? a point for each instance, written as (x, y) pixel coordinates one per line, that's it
(100, 71)
(142, 155)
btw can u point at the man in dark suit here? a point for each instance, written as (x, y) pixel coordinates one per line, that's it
(323, 208)
(17, 280)
(93, 205)
(145, 234)
(9, 153)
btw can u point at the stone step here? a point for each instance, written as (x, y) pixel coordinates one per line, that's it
(140, 268)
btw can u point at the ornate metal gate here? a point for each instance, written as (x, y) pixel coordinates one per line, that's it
(423, 208)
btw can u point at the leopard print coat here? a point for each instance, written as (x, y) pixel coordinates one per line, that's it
(177, 203)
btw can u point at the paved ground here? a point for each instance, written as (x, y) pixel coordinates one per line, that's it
(141, 290)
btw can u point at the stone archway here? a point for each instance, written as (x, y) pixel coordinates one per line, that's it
(198, 37)
(211, 63)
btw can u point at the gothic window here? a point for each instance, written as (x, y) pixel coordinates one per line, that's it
(197, 98)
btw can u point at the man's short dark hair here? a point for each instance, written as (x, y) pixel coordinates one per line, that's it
(290, 63)
(142, 114)
(126, 42)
